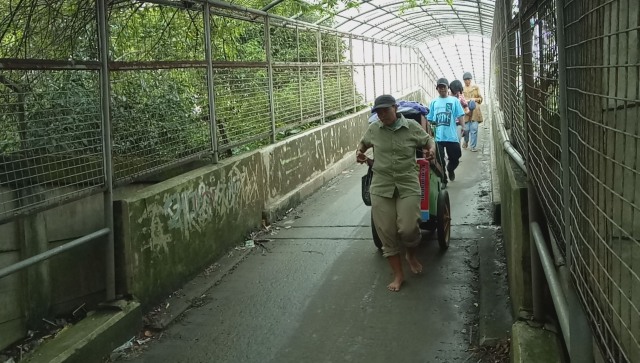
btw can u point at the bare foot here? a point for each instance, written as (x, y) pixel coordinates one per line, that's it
(395, 285)
(414, 264)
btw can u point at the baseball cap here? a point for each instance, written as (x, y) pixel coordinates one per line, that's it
(443, 81)
(467, 75)
(384, 101)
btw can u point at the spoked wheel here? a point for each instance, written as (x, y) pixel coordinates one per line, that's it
(376, 239)
(444, 219)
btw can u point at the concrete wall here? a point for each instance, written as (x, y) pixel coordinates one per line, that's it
(12, 321)
(168, 232)
(514, 219)
(165, 232)
(56, 286)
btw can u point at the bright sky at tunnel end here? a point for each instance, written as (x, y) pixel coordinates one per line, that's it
(453, 38)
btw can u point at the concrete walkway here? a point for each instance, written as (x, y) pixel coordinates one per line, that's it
(319, 294)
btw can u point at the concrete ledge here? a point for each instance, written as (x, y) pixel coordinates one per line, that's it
(93, 338)
(534, 345)
(279, 207)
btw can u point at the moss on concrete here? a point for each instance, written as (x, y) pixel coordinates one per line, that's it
(93, 338)
(168, 232)
(534, 345)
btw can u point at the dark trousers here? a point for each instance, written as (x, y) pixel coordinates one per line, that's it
(454, 152)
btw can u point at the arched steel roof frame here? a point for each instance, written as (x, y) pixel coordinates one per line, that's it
(381, 19)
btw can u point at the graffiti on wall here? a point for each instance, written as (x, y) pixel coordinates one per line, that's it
(212, 198)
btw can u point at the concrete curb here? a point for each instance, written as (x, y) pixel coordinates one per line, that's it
(278, 208)
(93, 338)
(534, 345)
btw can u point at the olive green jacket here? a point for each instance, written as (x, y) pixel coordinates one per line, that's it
(394, 151)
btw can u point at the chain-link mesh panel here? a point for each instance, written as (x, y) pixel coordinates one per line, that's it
(242, 106)
(349, 98)
(159, 117)
(603, 69)
(50, 138)
(308, 45)
(287, 86)
(311, 95)
(514, 109)
(282, 40)
(543, 118)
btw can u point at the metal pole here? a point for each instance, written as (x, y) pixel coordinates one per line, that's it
(523, 79)
(564, 127)
(373, 57)
(319, 46)
(353, 71)
(537, 274)
(299, 72)
(267, 46)
(364, 76)
(557, 295)
(339, 71)
(103, 40)
(211, 95)
(389, 65)
(402, 71)
(56, 251)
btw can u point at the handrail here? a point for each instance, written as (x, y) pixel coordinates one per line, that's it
(582, 337)
(506, 143)
(557, 295)
(52, 252)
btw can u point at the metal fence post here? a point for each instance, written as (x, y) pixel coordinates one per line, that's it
(213, 124)
(389, 71)
(523, 82)
(353, 71)
(319, 46)
(339, 70)
(564, 127)
(373, 59)
(267, 47)
(401, 70)
(103, 39)
(364, 67)
(299, 73)
(581, 340)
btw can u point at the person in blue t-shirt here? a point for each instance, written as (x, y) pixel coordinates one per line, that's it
(443, 112)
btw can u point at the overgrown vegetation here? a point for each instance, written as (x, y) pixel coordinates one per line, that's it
(159, 98)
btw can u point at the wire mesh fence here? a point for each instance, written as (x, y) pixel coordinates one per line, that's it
(50, 135)
(51, 113)
(602, 107)
(542, 115)
(603, 99)
(158, 117)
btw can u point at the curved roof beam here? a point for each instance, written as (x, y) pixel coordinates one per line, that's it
(394, 4)
(403, 20)
(271, 5)
(468, 3)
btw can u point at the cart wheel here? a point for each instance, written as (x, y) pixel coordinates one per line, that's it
(444, 219)
(376, 239)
